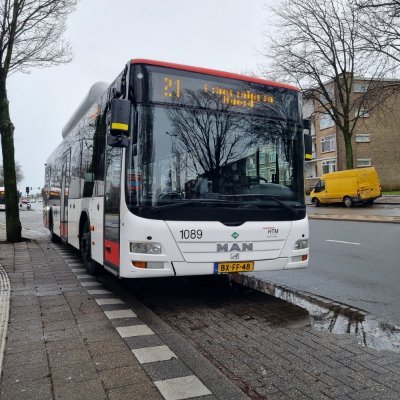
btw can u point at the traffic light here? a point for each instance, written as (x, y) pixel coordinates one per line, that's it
(27, 190)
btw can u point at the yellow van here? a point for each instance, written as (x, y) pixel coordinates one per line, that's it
(347, 187)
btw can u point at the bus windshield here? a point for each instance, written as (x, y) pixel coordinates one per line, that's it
(187, 163)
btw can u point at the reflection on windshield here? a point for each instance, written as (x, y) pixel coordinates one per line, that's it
(185, 154)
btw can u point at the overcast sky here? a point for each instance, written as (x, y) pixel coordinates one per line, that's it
(105, 34)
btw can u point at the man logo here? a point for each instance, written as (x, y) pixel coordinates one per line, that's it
(226, 247)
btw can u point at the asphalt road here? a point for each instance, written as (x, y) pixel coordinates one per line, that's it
(356, 263)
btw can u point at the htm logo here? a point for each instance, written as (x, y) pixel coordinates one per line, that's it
(271, 230)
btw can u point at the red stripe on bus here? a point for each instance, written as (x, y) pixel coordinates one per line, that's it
(214, 72)
(64, 229)
(111, 252)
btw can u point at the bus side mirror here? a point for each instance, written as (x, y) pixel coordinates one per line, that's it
(307, 147)
(306, 124)
(119, 123)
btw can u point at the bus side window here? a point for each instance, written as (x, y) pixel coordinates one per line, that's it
(99, 149)
(87, 167)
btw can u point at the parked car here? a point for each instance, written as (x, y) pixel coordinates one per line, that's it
(347, 187)
(24, 203)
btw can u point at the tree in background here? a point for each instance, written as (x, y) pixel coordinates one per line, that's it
(319, 46)
(381, 26)
(18, 173)
(30, 36)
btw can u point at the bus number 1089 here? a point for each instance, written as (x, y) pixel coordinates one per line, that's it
(191, 234)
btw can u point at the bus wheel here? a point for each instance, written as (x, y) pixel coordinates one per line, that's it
(85, 249)
(347, 201)
(53, 237)
(316, 202)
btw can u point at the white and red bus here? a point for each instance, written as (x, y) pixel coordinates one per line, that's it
(176, 170)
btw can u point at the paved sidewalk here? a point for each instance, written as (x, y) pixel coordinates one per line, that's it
(60, 345)
(69, 338)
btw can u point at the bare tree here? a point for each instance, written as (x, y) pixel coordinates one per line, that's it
(319, 48)
(209, 140)
(18, 172)
(30, 35)
(381, 26)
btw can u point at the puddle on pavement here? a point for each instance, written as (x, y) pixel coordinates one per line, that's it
(334, 317)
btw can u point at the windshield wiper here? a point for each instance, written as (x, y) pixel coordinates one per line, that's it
(288, 207)
(185, 203)
(291, 209)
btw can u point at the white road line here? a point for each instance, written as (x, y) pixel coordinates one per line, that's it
(341, 241)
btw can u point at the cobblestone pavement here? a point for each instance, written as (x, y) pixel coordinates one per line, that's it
(267, 346)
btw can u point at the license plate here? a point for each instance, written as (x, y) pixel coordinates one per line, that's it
(227, 267)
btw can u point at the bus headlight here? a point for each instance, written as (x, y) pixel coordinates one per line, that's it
(301, 244)
(145, 248)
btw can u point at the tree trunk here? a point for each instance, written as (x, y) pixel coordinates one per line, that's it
(13, 224)
(349, 151)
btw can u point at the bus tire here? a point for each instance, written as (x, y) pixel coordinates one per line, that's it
(53, 237)
(86, 249)
(347, 201)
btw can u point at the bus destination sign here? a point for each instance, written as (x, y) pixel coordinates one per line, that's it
(180, 89)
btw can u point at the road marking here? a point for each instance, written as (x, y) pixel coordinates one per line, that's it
(341, 241)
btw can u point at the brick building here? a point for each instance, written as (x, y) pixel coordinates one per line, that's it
(375, 140)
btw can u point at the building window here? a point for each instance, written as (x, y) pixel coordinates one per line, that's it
(328, 143)
(362, 113)
(272, 157)
(325, 121)
(363, 138)
(363, 162)
(360, 87)
(328, 166)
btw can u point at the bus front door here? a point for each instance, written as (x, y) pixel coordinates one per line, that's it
(65, 179)
(112, 208)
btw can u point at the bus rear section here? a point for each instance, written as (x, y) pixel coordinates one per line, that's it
(179, 170)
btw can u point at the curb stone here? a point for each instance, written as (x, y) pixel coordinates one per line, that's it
(4, 310)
